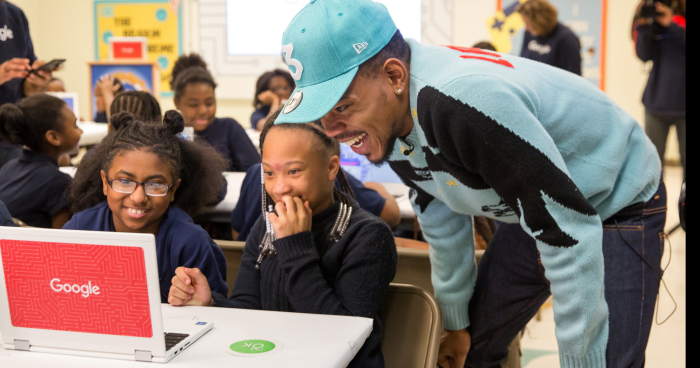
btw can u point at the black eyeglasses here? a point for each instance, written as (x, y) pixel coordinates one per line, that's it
(127, 186)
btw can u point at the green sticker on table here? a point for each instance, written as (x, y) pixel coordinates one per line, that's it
(252, 347)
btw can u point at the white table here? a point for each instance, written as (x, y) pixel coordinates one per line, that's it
(309, 341)
(92, 132)
(254, 136)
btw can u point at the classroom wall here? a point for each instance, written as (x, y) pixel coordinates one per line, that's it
(65, 29)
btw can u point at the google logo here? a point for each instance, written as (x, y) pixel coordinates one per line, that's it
(85, 290)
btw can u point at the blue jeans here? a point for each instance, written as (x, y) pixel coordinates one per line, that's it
(511, 286)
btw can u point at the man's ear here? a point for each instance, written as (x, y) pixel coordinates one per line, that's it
(174, 188)
(333, 168)
(105, 183)
(397, 75)
(53, 138)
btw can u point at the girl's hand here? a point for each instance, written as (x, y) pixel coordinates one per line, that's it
(190, 287)
(269, 98)
(293, 217)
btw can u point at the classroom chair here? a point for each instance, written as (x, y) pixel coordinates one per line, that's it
(412, 328)
(233, 251)
(19, 223)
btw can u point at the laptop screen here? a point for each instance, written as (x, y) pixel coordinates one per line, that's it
(95, 289)
(363, 170)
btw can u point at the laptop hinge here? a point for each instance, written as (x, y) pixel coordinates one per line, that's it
(144, 356)
(22, 345)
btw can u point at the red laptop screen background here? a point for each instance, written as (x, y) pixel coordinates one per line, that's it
(107, 292)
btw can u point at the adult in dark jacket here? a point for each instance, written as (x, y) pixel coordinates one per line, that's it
(662, 40)
(17, 59)
(548, 41)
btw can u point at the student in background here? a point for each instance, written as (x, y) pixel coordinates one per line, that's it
(16, 60)
(141, 104)
(106, 90)
(663, 40)
(55, 85)
(325, 256)
(31, 186)
(5, 217)
(271, 92)
(129, 183)
(195, 97)
(485, 45)
(548, 41)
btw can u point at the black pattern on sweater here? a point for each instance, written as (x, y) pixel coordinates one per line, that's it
(311, 274)
(482, 154)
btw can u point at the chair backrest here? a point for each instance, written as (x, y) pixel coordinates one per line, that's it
(19, 223)
(233, 251)
(412, 328)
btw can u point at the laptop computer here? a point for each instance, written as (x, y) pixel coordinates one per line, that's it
(87, 293)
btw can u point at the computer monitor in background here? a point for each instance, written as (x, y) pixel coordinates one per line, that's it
(363, 170)
(256, 27)
(70, 98)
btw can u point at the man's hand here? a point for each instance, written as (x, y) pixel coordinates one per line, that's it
(190, 287)
(666, 16)
(454, 346)
(293, 217)
(14, 68)
(269, 98)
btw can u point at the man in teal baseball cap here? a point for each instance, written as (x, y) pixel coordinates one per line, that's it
(477, 133)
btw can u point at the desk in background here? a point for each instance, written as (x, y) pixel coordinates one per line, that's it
(310, 341)
(92, 132)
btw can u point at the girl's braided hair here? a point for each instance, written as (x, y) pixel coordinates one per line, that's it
(198, 164)
(143, 105)
(345, 195)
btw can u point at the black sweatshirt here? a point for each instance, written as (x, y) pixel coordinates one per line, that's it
(561, 49)
(311, 274)
(665, 93)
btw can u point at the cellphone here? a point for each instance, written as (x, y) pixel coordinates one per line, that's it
(50, 66)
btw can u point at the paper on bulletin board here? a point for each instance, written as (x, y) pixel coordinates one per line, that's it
(157, 20)
(586, 18)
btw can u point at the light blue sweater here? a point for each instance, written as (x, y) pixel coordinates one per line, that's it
(522, 142)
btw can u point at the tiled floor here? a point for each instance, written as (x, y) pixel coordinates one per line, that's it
(667, 342)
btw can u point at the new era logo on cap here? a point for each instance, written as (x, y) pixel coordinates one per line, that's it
(359, 47)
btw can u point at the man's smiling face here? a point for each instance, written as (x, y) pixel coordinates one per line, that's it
(369, 117)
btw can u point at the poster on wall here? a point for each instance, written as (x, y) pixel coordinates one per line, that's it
(133, 76)
(586, 18)
(159, 21)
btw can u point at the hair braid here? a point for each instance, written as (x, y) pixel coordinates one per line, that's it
(142, 104)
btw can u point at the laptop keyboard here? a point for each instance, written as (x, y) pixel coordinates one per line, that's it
(172, 339)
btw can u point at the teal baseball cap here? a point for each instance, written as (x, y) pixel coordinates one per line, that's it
(324, 46)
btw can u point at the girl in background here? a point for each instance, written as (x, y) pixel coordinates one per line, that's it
(271, 91)
(106, 89)
(195, 97)
(317, 252)
(31, 186)
(143, 178)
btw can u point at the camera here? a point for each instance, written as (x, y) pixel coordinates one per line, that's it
(649, 7)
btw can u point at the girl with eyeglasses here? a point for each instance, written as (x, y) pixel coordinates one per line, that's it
(31, 186)
(271, 92)
(195, 97)
(144, 178)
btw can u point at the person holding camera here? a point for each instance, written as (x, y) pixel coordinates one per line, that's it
(659, 31)
(548, 41)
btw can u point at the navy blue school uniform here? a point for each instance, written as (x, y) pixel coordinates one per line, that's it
(101, 117)
(5, 217)
(260, 113)
(33, 188)
(561, 49)
(231, 140)
(180, 242)
(248, 208)
(15, 42)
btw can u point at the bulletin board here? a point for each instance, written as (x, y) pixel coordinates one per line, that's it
(586, 18)
(157, 20)
(134, 76)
